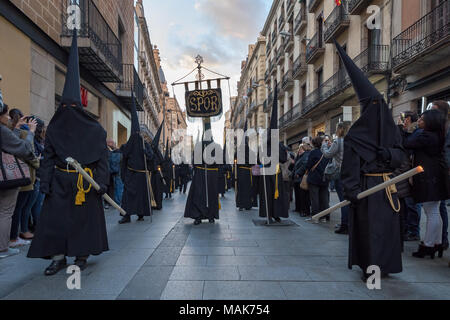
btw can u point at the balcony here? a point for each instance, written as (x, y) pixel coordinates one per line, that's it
(355, 7)
(131, 83)
(300, 20)
(288, 80)
(280, 55)
(312, 5)
(425, 42)
(289, 117)
(281, 22)
(336, 23)
(265, 110)
(273, 67)
(274, 38)
(267, 76)
(288, 43)
(100, 51)
(314, 49)
(374, 61)
(289, 6)
(268, 47)
(300, 67)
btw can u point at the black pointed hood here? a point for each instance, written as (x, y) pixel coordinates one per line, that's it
(375, 129)
(135, 126)
(363, 87)
(274, 116)
(155, 142)
(71, 93)
(72, 132)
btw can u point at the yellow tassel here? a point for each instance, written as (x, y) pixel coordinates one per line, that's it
(80, 198)
(220, 206)
(277, 193)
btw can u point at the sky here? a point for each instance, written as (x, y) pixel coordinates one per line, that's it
(218, 30)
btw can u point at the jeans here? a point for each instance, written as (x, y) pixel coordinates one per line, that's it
(444, 217)
(320, 198)
(433, 235)
(118, 189)
(37, 206)
(333, 185)
(345, 210)
(20, 215)
(412, 214)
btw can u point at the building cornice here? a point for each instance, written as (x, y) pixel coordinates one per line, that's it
(272, 13)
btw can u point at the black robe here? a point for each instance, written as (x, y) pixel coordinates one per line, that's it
(65, 228)
(278, 207)
(158, 184)
(244, 190)
(374, 237)
(221, 180)
(203, 198)
(136, 196)
(168, 172)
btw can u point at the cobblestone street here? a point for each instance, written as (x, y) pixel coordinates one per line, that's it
(232, 259)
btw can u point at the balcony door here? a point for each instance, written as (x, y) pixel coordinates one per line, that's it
(440, 17)
(319, 30)
(374, 42)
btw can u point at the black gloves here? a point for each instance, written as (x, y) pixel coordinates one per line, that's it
(45, 188)
(103, 189)
(352, 196)
(384, 155)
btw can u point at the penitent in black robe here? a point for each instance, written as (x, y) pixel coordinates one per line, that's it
(278, 207)
(136, 196)
(244, 199)
(374, 237)
(158, 184)
(221, 179)
(65, 228)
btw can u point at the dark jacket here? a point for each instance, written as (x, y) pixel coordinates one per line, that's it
(300, 165)
(429, 185)
(316, 177)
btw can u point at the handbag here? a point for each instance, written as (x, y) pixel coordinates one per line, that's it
(14, 173)
(332, 171)
(304, 184)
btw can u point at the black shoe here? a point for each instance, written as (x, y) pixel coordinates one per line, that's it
(445, 244)
(125, 220)
(278, 220)
(55, 267)
(197, 222)
(212, 221)
(439, 248)
(424, 251)
(141, 218)
(81, 263)
(342, 230)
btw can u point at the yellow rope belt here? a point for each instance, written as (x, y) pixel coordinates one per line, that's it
(80, 198)
(149, 182)
(277, 193)
(389, 191)
(251, 174)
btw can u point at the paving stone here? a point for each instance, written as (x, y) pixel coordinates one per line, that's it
(183, 290)
(236, 261)
(267, 273)
(325, 291)
(243, 290)
(147, 284)
(164, 256)
(204, 273)
(191, 261)
(208, 251)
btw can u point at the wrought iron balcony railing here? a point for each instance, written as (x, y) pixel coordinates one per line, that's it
(290, 116)
(131, 83)
(289, 6)
(268, 47)
(288, 42)
(281, 22)
(300, 20)
(273, 66)
(431, 31)
(335, 23)
(274, 37)
(100, 51)
(314, 47)
(280, 54)
(312, 5)
(300, 67)
(356, 6)
(373, 60)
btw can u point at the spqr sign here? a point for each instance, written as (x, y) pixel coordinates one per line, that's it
(204, 103)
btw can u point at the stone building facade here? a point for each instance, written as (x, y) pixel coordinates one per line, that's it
(33, 65)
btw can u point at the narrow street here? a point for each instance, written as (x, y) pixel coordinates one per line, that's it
(232, 259)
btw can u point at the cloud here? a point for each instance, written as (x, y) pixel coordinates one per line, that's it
(234, 18)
